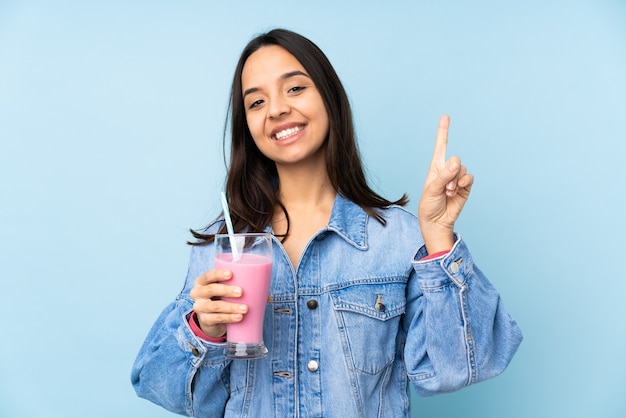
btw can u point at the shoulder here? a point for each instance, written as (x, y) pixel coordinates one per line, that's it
(396, 214)
(398, 222)
(398, 236)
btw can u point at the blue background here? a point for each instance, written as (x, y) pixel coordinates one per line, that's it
(111, 119)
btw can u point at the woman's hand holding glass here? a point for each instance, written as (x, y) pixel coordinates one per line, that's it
(213, 313)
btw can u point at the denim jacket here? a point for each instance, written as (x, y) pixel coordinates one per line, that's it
(359, 318)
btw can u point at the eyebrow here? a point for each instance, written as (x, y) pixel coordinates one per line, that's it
(282, 78)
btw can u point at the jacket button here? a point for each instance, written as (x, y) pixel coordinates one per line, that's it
(194, 350)
(380, 306)
(312, 366)
(311, 304)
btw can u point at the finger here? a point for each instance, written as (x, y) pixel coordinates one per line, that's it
(449, 173)
(214, 291)
(213, 314)
(208, 321)
(466, 182)
(213, 276)
(461, 181)
(441, 141)
(454, 183)
(463, 186)
(209, 306)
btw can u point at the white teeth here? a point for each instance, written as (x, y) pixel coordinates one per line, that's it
(288, 132)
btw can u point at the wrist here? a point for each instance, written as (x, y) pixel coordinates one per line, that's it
(434, 255)
(194, 324)
(438, 240)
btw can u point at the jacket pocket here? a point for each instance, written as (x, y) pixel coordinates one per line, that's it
(368, 318)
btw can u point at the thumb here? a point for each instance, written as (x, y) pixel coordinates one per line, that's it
(446, 174)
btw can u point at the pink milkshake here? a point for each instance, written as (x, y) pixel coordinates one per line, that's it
(252, 272)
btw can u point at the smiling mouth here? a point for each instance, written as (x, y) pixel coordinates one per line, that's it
(288, 132)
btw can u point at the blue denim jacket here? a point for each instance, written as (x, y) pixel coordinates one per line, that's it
(381, 318)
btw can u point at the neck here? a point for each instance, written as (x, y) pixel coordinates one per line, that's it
(305, 185)
(305, 182)
(308, 197)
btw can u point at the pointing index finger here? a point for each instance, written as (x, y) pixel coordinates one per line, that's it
(441, 141)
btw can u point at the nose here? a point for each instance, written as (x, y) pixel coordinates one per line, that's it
(278, 107)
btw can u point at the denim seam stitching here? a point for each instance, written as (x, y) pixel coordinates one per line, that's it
(469, 340)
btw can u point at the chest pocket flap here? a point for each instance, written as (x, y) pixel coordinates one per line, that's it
(368, 315)
(378, 301)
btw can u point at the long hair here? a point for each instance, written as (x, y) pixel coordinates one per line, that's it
(251, 177)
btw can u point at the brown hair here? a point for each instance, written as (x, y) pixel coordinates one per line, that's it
(252, 178)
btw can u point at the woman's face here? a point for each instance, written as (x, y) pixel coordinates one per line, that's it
(284, 110)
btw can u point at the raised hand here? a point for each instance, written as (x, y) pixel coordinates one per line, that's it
(446, 189)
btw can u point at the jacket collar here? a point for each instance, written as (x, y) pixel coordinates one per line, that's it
(349, 221)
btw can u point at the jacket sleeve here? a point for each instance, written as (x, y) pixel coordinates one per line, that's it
(458, 332)
(176, 369)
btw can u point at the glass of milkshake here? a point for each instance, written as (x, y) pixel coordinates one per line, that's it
(249, 258)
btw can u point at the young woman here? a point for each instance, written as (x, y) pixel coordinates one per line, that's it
(365, 296)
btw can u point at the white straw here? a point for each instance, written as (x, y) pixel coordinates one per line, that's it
(229, 227)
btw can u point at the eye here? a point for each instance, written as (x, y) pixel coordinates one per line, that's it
(255, 104)
(296, 89)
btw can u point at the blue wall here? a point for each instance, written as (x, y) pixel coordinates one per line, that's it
(111, 117)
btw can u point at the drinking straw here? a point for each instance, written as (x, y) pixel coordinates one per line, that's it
(229, 227)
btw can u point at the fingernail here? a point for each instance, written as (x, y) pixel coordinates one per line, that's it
(237, 291)
(226, 273)
(243, 308)
(453, 166)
